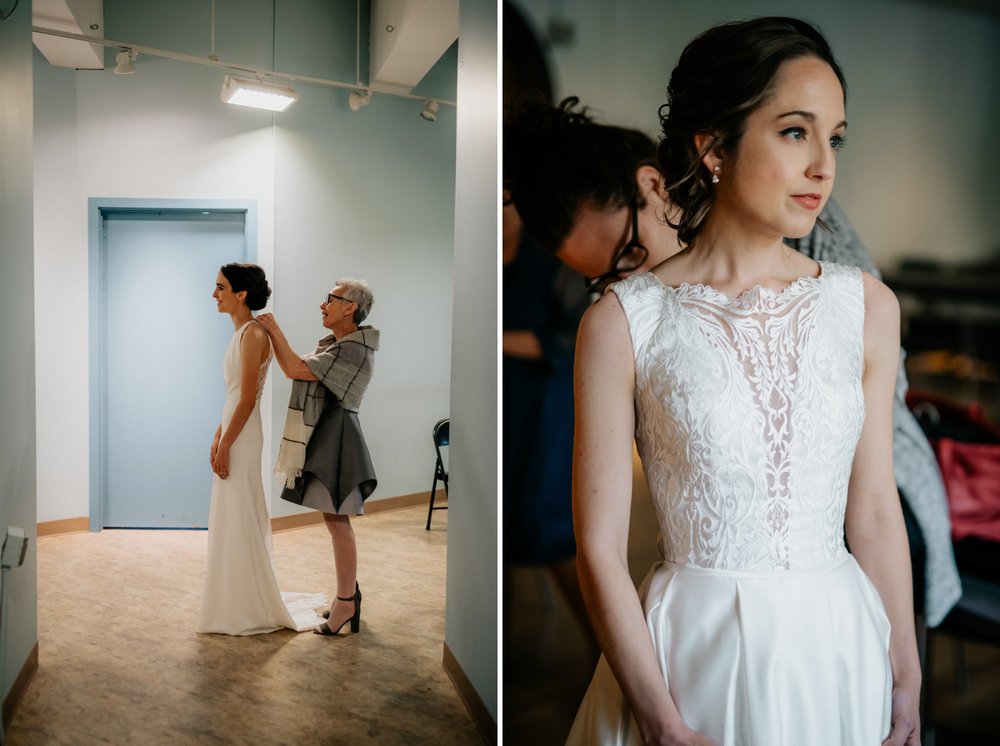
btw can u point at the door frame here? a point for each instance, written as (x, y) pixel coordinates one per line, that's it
(97, 209)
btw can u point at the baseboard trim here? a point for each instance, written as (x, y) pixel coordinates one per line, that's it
(19, 687)
(63, 526)
(299, 520)
(296, 520)
(470, 697)
(395, 503)
(281, 523)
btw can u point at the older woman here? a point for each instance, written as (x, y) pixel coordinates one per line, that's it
(323, 455)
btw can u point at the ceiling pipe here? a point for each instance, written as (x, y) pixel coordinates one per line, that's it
(181, 57)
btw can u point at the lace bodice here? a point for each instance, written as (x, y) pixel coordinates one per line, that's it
(231, 366)
(748, 411)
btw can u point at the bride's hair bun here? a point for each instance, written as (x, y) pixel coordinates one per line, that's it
(251, 278)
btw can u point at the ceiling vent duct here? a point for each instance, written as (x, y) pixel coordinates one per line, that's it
(407, 38)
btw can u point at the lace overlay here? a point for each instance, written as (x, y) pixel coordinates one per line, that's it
(748, 411)
(262, 373)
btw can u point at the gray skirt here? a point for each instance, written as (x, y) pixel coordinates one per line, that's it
(338, 475)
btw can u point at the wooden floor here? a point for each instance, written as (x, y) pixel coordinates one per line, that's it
(547, 667)
(120, 662)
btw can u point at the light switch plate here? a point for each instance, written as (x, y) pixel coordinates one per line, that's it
(15, 545)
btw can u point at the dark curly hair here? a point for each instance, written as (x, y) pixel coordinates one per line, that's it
(722, 77)
(555, 159)
(251, 278)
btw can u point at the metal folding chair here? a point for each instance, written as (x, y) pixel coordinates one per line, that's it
(440, 434)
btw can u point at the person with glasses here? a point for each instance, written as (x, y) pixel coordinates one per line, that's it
(589, 193)
(323, 455)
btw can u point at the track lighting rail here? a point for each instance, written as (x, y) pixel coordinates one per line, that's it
(235, 67)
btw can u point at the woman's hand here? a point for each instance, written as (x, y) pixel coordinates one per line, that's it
(267, 321)
(905, 717)
(220, 464)
(212, 452)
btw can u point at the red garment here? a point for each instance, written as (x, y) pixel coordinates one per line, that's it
(971, 473)
(967, 445)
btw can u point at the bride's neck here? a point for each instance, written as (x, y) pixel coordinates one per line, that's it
(241, 316)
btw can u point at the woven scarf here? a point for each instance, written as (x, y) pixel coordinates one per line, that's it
(344, 368)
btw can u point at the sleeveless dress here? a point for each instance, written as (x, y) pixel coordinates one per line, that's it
(748, 411)
(241, 592)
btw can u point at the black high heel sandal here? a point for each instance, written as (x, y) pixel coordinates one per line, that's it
(355, 620)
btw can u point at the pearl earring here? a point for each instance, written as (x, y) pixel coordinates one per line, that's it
(715, 176)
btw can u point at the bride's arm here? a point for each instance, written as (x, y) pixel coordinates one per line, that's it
(604, 386)
(874, 522)
(253, 352)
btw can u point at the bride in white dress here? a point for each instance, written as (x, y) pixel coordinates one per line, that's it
(241, 594)
(758, 386)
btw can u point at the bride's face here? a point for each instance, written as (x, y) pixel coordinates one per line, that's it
(226, 301)
(784, 171)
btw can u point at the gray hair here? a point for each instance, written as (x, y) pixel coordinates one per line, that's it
(358, 292)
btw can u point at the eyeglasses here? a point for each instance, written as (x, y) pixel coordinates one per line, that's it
(331, 296)
(628, 258)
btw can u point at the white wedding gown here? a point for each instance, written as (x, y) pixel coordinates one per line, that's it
(748, 411)
(241, 592)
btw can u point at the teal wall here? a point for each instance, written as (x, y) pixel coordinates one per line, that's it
(339, 193)
(369, 194)
(17, 363)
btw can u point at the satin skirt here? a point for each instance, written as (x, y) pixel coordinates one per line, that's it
(759, 659)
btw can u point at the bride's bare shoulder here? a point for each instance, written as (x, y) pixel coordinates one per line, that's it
(674, 270)
(254, 339)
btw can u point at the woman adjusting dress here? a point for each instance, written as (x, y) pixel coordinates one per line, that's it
(323, 455)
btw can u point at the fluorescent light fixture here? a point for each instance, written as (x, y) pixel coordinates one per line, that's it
(258, 94)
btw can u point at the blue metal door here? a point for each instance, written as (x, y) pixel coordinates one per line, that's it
(162, 375)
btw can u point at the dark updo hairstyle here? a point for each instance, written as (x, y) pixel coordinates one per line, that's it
(251, 278)
(722, 77)
(556, 159)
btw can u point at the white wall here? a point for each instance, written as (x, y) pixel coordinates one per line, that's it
(60, 273)
(365, 193)
(17, 362)
(471, 613)
(923, 97)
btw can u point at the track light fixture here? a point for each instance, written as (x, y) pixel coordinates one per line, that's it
(258, 94)
(125, 58)
(430, 110)
(358, 100)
